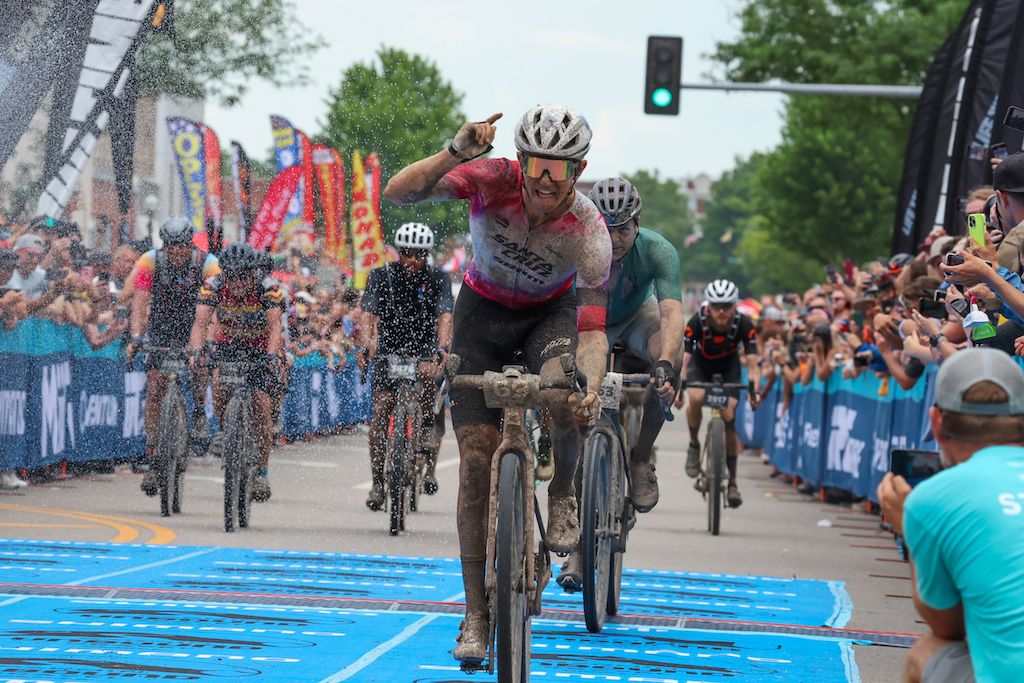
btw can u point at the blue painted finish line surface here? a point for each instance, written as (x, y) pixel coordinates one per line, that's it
(72, 640)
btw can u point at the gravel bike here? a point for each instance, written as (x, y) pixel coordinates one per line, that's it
(516, 572)
(403, 470)
(711, 482)
(241, 451)
(171, 455)
(606, 513)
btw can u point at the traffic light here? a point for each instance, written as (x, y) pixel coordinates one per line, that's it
(664, 75)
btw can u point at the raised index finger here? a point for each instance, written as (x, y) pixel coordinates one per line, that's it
(492, 118)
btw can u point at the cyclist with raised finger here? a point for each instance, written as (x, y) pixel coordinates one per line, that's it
(714, 337)
(537, 284)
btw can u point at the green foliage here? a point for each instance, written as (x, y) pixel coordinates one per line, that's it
(665, 210)
(403, 109)
(829, 189)
(218, 46)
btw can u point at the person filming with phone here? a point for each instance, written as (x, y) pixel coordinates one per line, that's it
(963, 526)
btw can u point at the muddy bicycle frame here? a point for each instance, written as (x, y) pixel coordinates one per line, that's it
(513, 390)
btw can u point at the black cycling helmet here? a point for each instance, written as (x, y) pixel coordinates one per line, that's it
(176, 231)
(238, 257)
(616, 199)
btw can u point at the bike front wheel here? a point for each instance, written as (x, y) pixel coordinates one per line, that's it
(233, 467)
(398, 463)
(597, 521)
(715, 456)
(170, 451)
(513, 615)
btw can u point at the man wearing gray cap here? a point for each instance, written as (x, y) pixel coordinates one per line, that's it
(964, 526)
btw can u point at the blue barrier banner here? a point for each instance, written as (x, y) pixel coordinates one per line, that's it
(62, 400)
(755, 426)
(320, 399)
(808, 461)
(850, 421)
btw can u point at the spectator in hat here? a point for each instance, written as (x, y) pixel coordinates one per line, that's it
(1008, 181)
(963, 526)
(29, 277)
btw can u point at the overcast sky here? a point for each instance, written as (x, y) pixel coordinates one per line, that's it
(508, 56)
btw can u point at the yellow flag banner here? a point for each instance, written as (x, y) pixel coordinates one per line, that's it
(367, 240)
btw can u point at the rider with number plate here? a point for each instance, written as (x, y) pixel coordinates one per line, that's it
(537, 285)
(645, 315)
(407, 312)
(248, 329)
(712, 346)
(167, 285)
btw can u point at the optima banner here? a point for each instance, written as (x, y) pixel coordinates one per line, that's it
(188, 140)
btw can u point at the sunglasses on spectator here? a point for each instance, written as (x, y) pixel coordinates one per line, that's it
(406, 252)
(557, 169)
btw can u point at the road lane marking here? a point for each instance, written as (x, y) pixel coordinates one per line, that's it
(443, 465)
(42, 525)
(151, 565)
(123, 525)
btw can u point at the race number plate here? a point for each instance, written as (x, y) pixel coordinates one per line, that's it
(716, 397)
(402, 368)
(611, 390)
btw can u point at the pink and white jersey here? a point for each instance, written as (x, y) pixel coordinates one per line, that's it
(520, 265)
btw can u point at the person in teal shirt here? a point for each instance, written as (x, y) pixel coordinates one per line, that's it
(645, 315)
(964, 526)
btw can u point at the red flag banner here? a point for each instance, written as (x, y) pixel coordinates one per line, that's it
(274, 207)
(331, 174)
(367, 243)
(307, 178)
(373, 183)
(214, 190)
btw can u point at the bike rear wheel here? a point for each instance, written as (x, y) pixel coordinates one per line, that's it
(621, 507)
(397, 468)
(170, 450)
(233, 454)
(597, 520)
(249, 458)
(715, 454)
(513, 614)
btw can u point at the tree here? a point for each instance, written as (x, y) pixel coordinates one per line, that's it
(665, 210)
(217, 46)
(829, 189)
(402, 108)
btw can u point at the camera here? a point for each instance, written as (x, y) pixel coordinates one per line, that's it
(954, 259)
(860, 361)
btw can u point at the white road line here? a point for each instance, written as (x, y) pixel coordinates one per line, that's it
(305, 463)
(443, 465)
(385, 647)
(170, 560)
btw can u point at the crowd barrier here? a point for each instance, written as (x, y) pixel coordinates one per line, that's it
(62, 401)
(839, 433)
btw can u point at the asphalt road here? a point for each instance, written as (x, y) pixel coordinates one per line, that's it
(319, 488)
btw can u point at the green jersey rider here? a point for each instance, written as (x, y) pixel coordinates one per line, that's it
(645, 315)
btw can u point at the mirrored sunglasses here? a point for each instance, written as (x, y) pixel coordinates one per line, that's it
(558, 169)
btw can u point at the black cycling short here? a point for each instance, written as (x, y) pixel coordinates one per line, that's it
(703, 370)
(487, 336)
(154, 358)
(260, 376)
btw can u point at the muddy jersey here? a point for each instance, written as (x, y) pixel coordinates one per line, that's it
(650, 267)
(520, 265)
(241, 319)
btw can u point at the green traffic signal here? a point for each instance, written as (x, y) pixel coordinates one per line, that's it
(662, 97)
(663, 75)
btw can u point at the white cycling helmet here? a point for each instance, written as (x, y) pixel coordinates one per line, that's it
(553, 130)
(721, 292)
(616, 199)
(414, 236)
